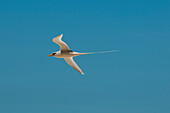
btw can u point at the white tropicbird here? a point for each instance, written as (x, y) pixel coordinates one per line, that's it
(67, 54)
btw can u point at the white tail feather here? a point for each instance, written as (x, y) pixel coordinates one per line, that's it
(100, 52)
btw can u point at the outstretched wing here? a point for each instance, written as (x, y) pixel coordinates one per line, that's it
(63, 45)
(71, 62)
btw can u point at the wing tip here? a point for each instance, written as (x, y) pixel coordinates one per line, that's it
(61, 35)
(82, 73)
(57, 38)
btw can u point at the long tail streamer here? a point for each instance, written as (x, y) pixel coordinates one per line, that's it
(101, 52)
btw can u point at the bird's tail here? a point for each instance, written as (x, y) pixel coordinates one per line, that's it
(100, 52)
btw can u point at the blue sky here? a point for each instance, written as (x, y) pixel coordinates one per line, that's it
(134, 80)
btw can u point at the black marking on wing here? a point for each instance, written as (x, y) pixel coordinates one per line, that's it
(66, 51)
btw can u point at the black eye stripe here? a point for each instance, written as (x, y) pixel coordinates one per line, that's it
(53, 53)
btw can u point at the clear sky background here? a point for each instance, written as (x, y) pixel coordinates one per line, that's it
(134, 80)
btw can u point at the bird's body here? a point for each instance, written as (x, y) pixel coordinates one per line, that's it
(68, 54)
(63, 54)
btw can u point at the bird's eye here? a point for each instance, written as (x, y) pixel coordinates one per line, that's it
(53, 53)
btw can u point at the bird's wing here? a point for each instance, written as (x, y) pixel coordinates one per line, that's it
(63, 45)
(71, 62)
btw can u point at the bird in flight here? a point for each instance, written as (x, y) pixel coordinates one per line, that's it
(68, 54)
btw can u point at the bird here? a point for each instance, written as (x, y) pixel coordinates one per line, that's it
(68, 54)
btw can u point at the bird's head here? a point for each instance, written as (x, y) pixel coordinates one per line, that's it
(51, 54)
